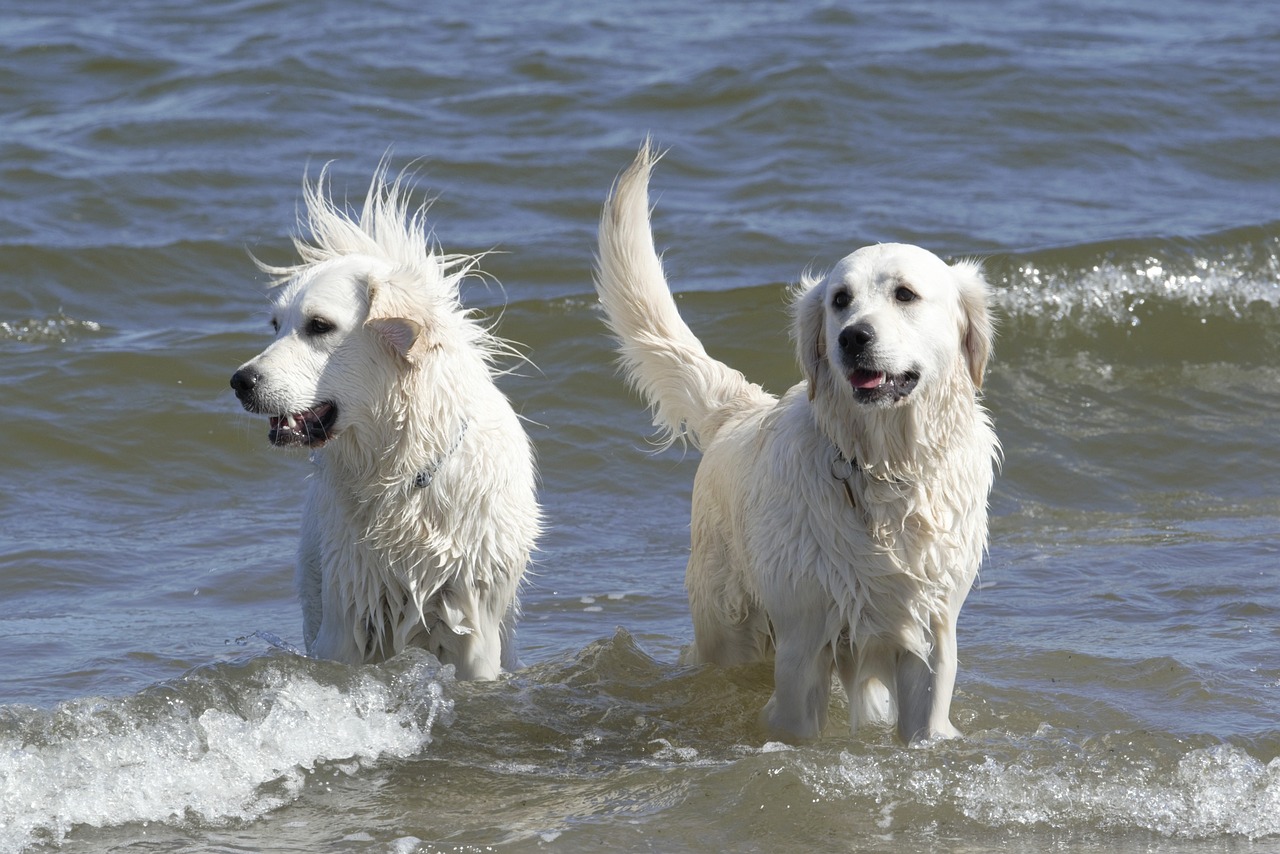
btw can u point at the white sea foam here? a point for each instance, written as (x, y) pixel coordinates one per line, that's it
(1123, 291)
(105, 763)
(1207, 792)
(1214, 791)
(57, 329)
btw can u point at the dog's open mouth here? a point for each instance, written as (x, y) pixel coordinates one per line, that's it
(879, 387)
(310, 427)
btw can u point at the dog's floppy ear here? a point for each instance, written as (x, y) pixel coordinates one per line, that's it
(391, 323)
(400, 333)
(979, 329)
(810, 330)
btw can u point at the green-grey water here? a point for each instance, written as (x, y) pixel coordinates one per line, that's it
(1116, 167)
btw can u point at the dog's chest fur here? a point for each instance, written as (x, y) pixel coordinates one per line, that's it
(888, 561)
(380, 558)
(407, 560)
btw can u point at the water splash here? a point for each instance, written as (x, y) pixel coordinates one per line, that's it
(1123, 286)
(1203, 793)
(58, 329)
(225, 743)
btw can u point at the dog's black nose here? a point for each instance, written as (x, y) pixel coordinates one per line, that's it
(244, 381)
(855, 338)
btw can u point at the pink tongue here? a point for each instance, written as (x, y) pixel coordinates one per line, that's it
(867, 379)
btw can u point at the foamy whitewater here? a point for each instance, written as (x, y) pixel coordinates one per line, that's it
(220, 744)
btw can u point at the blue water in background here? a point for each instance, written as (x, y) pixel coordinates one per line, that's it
(1117, 167)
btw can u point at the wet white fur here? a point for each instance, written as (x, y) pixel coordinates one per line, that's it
(781, 562)
(383, 565)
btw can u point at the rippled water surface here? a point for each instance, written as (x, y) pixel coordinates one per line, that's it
(1118, 170)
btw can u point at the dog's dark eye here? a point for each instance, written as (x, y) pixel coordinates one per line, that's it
(319, 326)
(841, 300)
(905, 294)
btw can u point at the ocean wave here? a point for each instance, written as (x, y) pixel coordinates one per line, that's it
(607, 734)
(1233, 276)
(225, 743)
(58, 329)
(1049, 783)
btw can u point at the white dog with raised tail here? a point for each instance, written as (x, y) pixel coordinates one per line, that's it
(839, 528)
(419, 520)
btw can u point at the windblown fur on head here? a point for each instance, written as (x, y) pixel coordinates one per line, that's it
(422, 282)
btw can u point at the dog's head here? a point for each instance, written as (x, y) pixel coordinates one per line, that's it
(341, 343)
(369, 304)
(889, 320)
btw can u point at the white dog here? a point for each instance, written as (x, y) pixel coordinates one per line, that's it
(840, 527)
(420, 518)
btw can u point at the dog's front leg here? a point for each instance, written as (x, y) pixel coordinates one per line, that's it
(471, 637)
(307, 578)
(802, 670)
(925, 689)
(479, 654)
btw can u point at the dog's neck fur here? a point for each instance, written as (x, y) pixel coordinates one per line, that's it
(900, 443)
(426, 476)
(391, 451)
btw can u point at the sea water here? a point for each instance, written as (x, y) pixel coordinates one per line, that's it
(1116, 167)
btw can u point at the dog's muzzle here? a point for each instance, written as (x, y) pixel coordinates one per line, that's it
(870, 384)
(310, 427)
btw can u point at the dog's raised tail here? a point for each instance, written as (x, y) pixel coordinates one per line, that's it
(661, 356)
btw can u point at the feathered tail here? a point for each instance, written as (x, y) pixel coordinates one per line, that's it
(662, 357)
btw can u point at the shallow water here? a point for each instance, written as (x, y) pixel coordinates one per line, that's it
(1118, 170)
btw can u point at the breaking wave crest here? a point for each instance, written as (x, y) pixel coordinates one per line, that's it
(607, 735)
(57, 329)
(1230, 276)
(224, 743)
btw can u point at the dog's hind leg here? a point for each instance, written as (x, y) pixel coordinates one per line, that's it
(728, 625)
(864, 674)
(867, 676)
(477, 651)
(727, 644)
